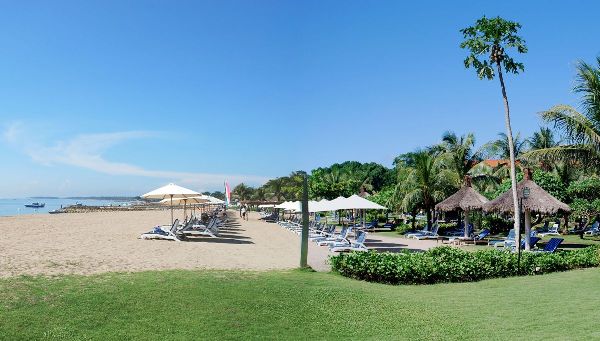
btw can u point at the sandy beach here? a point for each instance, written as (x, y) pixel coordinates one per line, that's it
(88, 243)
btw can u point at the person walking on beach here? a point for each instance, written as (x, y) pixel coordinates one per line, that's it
(244, 213)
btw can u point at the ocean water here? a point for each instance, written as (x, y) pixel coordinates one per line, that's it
(12, 207)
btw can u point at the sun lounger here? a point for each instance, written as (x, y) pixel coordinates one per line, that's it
(163, 233)
(552, 245)
(432, 234)
(338, 238)
(552, 231)
(594, 230)
(428, 234)
(478, 238)
(356, 245)
(508, 241)
(422, 232)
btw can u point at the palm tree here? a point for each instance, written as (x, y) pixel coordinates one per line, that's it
(243, 192)
(501, 146)
(275, 188)
(458, 151)
(425, 183)
(488, 39)
(543, 138)
(580, 129)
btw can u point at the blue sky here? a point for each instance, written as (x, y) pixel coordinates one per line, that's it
(119, 97)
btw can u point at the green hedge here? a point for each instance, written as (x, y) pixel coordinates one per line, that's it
(448, 264)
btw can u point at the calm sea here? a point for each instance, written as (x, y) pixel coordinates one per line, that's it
(11, 207)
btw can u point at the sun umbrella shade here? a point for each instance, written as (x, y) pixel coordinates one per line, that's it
(212, 200)
(170, 191)
(353, 202)
(538, 201)
(466, 199)
(184, 201)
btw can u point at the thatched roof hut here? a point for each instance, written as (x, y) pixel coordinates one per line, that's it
(466, 199)
(539, 201)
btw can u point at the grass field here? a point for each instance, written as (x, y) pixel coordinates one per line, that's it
(182, 305)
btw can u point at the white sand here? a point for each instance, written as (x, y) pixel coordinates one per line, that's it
(87, 243)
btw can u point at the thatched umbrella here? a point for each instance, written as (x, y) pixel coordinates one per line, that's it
(466, 199)
(533, 198)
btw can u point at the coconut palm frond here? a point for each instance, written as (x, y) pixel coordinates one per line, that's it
(576, 127)
(568, 153)
(588, 84)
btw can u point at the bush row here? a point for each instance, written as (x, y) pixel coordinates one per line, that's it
(448, 264)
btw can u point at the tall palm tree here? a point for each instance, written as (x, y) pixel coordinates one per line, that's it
(501, 146)
(580, 129)
(242, 191)
(543, 138)
(426, 183)
(488, 40)
(459, 152)
(275, 188)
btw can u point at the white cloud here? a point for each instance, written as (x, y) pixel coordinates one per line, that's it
(85, 151)
(12, 132)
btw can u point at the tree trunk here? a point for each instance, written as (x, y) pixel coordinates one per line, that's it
(428, 213)
(511, 148)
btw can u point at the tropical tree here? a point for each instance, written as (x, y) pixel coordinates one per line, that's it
(459, 153)
(486, 42)
(542, 139)
(275, 188)
(501, 147)
(426, 182)
(581, 130)
(242, 191)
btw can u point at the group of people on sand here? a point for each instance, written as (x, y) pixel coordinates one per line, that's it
(244, 212)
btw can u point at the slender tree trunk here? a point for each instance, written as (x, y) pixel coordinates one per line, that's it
(511, 149)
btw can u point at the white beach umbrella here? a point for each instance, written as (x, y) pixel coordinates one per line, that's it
(184, 201)
(212, 200)
(282, 205)
(358, 203)
(170, 191)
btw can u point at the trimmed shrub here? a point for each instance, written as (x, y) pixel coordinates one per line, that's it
(448, 264)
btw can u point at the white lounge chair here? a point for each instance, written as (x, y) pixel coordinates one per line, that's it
(356, 245)
(160, 232)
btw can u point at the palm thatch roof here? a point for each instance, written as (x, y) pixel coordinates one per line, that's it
(538, 201)
(466, 199)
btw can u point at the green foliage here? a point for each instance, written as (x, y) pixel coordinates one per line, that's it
(580, 129)
(243, 192)
(551, 183)
(486, 42)
(586, 208)
(426, 181)
(349, 178)
(384, 197)
(495, 224)
(588, 189)
(448, 264)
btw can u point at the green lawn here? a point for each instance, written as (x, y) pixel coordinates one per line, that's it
(184, 305)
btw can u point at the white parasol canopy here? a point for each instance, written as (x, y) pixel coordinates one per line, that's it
(212, 200)
(170, 191)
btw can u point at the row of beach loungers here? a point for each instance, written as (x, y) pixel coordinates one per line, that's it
(192, 228)
(457, 236)
(326, 235)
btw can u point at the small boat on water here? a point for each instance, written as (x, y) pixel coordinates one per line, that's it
(36, 205)
(56, 211)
